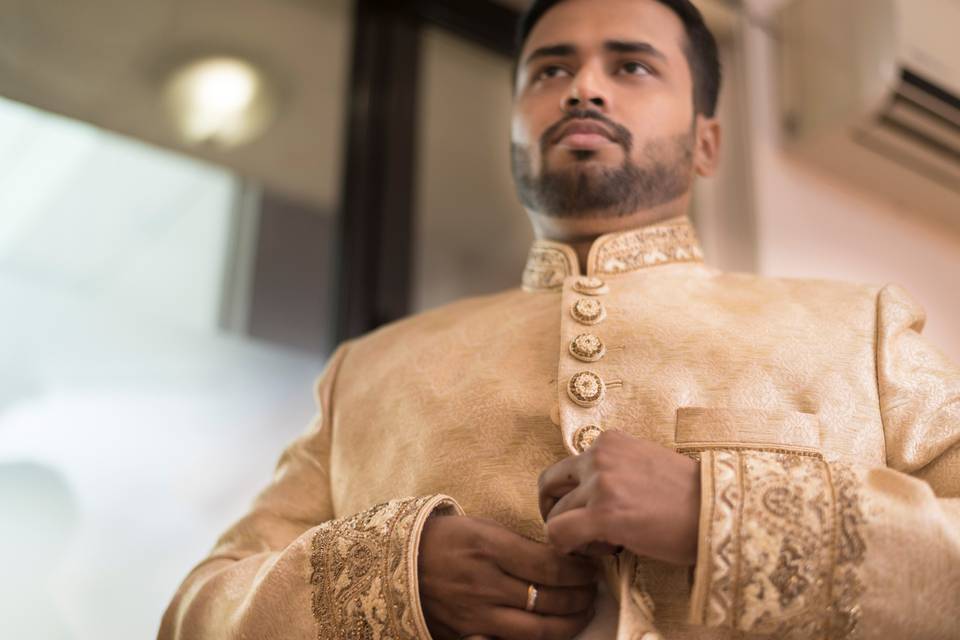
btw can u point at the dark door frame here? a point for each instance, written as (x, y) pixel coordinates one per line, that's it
(374, 238)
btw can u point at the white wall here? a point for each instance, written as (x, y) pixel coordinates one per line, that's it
(812, 225)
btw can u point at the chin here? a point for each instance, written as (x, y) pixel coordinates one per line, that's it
(588, 164)
(584, 158)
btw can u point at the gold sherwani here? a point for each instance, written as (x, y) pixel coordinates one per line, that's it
(828, 432)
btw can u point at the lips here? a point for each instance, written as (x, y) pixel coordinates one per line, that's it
(584, 127)
(584, 134)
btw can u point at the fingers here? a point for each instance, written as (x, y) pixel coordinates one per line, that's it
(599, 550)
(515, 624)
(555, 601)
(546, 501)
(556, 481)
(541, 564)
(574, 529)
(573, 500)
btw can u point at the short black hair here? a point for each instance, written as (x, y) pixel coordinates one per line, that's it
(700, 49)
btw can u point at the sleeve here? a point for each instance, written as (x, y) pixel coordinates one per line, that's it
(795, 546)
(289, 570)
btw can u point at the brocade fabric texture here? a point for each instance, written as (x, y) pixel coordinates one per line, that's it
(365, 571)
(782, 547)
(827, 426)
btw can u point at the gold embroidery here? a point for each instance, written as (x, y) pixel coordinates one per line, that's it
(672, 241)
(646, 247)
(585, 436)
(587, 347)
(850, 549)
(694, 451)
(589, 286)
(586, 389)
(784, 545)
(588, 311)
(546, 268)
(364, 572)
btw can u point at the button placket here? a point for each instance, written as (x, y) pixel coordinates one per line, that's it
(583, 390)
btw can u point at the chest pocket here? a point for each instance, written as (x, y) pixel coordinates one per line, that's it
(703, 428)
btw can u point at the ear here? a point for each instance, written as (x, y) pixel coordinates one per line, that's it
(706, 154)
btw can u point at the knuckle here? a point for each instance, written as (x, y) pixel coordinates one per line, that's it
(586, 598)
(604, 483)
(471, 580)
(605, 515)
(540, 632)
(602, 454)
(565, 602)
(478, 541)
(553, 572)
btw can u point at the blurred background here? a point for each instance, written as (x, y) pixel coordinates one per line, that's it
(199, 200)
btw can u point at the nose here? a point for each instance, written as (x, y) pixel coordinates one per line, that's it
(586, 92)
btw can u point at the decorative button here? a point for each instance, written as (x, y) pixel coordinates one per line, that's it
(586, 388)
(585, 436)
(587, 347)
(588, 311)
(590, 286)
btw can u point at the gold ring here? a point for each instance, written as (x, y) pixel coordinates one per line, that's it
(532, 594)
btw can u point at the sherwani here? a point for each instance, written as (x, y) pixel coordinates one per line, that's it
(827, 430)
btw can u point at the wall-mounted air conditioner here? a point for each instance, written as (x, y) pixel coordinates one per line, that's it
(871, 93)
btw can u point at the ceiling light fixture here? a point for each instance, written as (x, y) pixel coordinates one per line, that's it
(219, 101)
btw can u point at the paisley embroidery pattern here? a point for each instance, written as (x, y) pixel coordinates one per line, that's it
(646, 247)
(364, 572)
(672, 241)
(546, 268)
(785, 545)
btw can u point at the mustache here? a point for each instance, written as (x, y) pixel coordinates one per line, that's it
(620, 134)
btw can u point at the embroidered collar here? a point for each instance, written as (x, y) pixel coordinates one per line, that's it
(671, 241)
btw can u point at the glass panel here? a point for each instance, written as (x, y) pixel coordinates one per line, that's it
(136, 420)
(472, 234)
(109, 223)
(119, 393)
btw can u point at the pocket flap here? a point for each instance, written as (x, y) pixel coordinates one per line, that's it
(712, 428)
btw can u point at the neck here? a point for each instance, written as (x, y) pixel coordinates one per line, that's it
(581, 232)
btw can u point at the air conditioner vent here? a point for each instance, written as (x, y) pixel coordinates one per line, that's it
(872, 88)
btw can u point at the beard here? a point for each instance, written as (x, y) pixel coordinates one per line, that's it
(663, 173)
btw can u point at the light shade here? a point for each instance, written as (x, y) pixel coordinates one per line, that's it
(221, 101)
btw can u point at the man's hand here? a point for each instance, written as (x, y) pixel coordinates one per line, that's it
(474, 576)
(625, 492)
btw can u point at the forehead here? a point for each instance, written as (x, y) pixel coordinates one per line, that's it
(586, 24)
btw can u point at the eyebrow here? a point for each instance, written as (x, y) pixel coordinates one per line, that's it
(623, 46)
(614, 46)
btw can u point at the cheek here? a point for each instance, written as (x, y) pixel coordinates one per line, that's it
(533, 114)
(527, 128)
(520, 129)
(655, 115)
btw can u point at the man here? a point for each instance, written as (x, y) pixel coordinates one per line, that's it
(633, 445)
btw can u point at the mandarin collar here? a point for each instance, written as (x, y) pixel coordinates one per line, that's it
(670, 241)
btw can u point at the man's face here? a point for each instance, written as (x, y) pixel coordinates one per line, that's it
(603, 120)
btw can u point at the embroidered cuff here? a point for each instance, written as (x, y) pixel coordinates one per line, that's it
(365, 571)
(780, 545)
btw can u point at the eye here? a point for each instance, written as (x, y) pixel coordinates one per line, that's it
(636, 69)
(550, 72)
